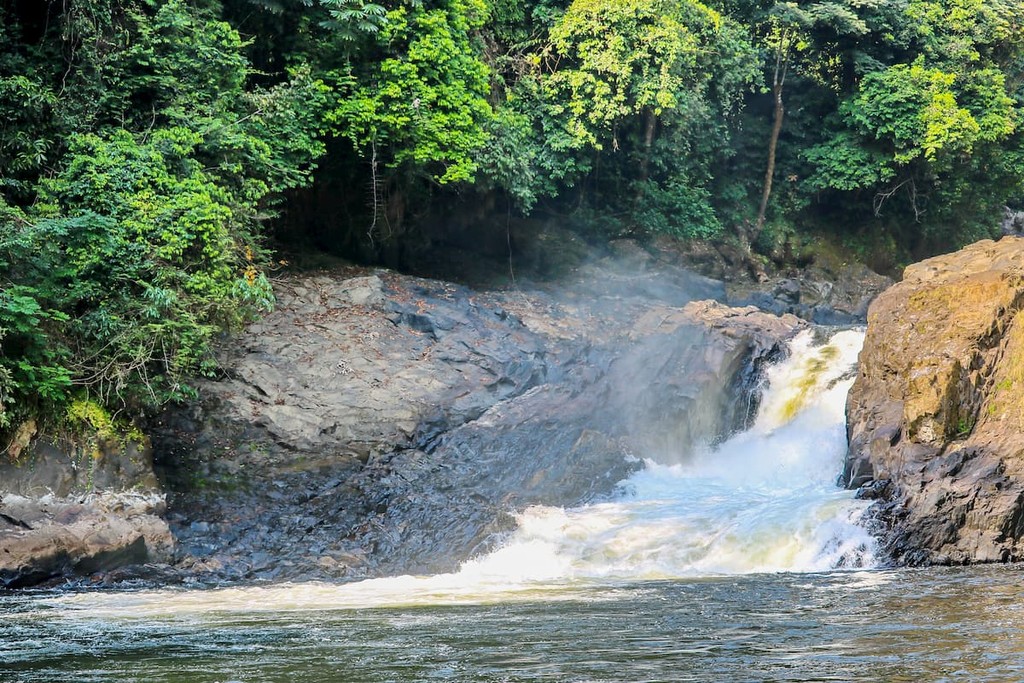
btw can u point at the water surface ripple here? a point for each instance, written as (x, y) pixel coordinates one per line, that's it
(961, 624)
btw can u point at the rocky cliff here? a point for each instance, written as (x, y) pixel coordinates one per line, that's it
(936, 415)
(379, 424)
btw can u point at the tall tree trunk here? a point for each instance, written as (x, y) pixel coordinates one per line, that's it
(650, 128)
(779, 111)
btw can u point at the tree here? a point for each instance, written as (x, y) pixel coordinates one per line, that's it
(131, 236)
(421, 111)
(810, 32)
(617, 85)
(942, 131)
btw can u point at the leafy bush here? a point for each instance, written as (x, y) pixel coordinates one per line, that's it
(148, 252)
(677, 208)
(140, 243)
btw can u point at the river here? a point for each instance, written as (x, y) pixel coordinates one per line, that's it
(743, 562)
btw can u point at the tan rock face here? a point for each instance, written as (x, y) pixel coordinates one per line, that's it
(935, 416)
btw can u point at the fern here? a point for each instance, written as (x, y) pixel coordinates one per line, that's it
(353, 19)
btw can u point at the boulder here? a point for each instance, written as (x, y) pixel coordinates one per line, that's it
(682, 378)
(690, 374)
(78, 506)
(831, 297)
(935, 427)
(47, 538)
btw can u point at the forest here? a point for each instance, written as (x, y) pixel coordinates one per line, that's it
(155, 153)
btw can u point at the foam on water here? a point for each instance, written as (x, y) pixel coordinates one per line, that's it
(764, 500)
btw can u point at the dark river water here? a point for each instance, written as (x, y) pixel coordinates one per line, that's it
(905, 625)
(719, 568)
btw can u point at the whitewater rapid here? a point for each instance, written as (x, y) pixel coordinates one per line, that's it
(764, 500)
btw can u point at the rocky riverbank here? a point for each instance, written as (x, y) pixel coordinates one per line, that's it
(72, 507)
(378, 423)
(936, 426)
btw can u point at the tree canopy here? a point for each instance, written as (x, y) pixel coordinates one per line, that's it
(148, 147)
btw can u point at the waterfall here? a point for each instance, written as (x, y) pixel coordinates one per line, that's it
(764, 500)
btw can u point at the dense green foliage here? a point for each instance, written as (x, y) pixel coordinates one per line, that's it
(147, 145)
(135, 168)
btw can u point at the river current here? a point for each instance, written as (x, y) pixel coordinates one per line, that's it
(743, 562)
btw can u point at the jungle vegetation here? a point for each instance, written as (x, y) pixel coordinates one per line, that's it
(148, 147)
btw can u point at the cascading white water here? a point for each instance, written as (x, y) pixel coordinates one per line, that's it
(763, 501)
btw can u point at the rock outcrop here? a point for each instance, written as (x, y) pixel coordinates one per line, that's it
(47, 538)
(936, 416)
(378, 423)
(839, 297)
(70, 508)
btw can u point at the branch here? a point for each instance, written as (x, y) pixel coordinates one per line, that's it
(882, 197)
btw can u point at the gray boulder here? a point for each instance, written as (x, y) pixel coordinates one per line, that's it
(77, 506)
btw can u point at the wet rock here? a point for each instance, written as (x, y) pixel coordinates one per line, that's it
(45, 538)
(1013, 222)
(853, 290)
(935, 409)
(67, 466)
(670, 390)
(270, 464)
(324, 373)
(788, 291)
(72, 507)
(429, 511)
(690, 375)
(403, 435)
(700, 256)
(825, 297)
